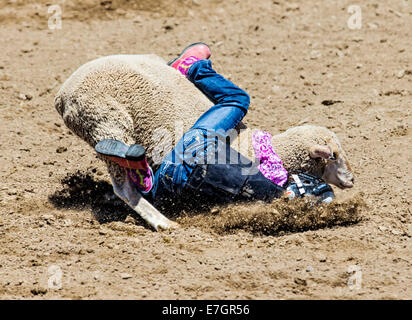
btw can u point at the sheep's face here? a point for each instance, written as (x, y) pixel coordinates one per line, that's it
(337, 169)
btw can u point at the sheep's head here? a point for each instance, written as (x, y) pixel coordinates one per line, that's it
(315, 150)
(337, 170)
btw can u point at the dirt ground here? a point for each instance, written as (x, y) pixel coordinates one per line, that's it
(62, 236)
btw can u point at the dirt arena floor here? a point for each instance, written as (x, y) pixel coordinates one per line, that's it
(63, 237)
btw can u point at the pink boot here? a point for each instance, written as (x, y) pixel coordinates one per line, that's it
(131, 158)
(141, 178)
(192, 53)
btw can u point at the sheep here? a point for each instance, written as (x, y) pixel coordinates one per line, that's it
(134, 99)
(139, 99)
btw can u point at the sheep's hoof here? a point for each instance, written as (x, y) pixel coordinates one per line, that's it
(167, 226)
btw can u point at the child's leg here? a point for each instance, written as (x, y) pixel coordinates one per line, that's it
(231, 102)
(231, 105)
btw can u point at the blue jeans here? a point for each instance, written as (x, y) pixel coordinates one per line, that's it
(198, 143)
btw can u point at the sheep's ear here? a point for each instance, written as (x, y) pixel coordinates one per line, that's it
(319, 151)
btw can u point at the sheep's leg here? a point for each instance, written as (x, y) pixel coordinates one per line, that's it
(128, 193)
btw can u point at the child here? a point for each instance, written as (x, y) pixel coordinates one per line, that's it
(202, 164)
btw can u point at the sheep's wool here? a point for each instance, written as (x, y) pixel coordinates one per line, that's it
(132, 98)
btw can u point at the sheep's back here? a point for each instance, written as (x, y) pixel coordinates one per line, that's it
(135, 98)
